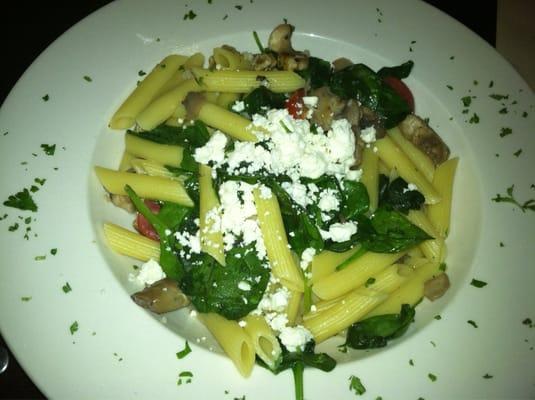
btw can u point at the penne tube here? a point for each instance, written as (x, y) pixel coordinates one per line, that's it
(226, 121)
(130, 243)
(439, 213)
(194, 61)
(145, 92)
(246, 81)
(354, 305)
(147, 187)
(173, 82)
(162, 108)
(325, 263)
(162, 153)
(225, 100)
(432, 249)
(411, 292)
(354, 275)
(294, 304)
(394, 158)
(211, 235)
(265, 342)
(234, 341)
(423, 163)
(126, 161)
(370, 176)
(283, 263)
(153, 168)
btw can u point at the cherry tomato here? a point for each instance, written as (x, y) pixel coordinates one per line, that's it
(401, 89)
(295, 105)
(143, 226)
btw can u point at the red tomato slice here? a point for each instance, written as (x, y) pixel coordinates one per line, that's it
(143, 226)
(295, 106)
(401, 89)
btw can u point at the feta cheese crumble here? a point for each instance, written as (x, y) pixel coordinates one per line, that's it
(368, 135)
(340, 232)
(149, 273)
(238, 106)
(295, 338)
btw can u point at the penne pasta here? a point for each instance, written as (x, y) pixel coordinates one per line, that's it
(370, 175)
(423, 163)
(439, 213)
(162, 153)
(234, 341)
(325, 263)
(148, 187)
(265, 342)
(226, 121)
(145, 92)
(130, 243)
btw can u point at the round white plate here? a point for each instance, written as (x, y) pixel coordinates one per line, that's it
(119, 350)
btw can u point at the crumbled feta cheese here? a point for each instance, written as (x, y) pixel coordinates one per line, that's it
(310, 101)
(313, 308)
(242, 323)
(213, 150)
(295, 338)
(368, 134)
(306, 257)
(340, 232)
(265, 192)
(410, 187)
(328, 200)
(193, 313)
(149, 273)
(238, 106)
(242, 285)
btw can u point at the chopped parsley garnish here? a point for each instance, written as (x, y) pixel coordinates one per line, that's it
(46, 97)
(433, 343)
(524, 115)
(452, 57)
(54, 251)
(40, 181)
(487, 376)
(238, 7)
(474, 119)
(74, 327)
(49, 149)
(184, 377)
(6, 133)
(411, 362)
(491, 84)
(26, 298)
(517, 153)
(66, 288)
(225, 17)
(13, 228)
(443, 266)
(505, 131)
(369, 282)
(432, 377)
(478, 283)
(437, 317)
(141, 73)
(183, 353)
(3, 217)
(528, 322)
(21, 200)
(467, 100)
(499, 96)
(503, 110)
(501, 244)
(189, 15)
(473, 323)
(356, 385)
(449, 87)
(88, 78)
(40, 258)
(476, 83)
(509, 198)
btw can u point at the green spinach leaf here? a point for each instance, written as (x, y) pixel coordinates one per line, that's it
(262, 99)
(399, 71)
(359, 82)
(355, 199)
(318, 73)
(396, 195)
(377, 331)
(212, 287)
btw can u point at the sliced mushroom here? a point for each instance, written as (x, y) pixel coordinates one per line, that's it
(161, 297)
(368, 117)
(123, 202)
(435, 287)
(425, 138)
(264, 62)
(193, 103)
(341, 63)
(328, 108)
(280, 42)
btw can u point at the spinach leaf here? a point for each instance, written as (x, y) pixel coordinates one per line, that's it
(297, 361)
(396, 196)
(377, 331)
(172, 215)
(168, 260)
(212, 287)
(399, 71)
(390, 232)
(190, 136)
(318, 72)
(356, 200)
(359, 82)
(262, 99)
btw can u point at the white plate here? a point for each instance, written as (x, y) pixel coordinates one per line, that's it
(120, 351)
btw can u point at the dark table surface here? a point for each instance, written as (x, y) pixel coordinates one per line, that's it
(28, 30)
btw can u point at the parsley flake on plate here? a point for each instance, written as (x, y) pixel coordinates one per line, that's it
(21, 200)
(477, 283)
(74, 327)
(183, 353)
(356, 385)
